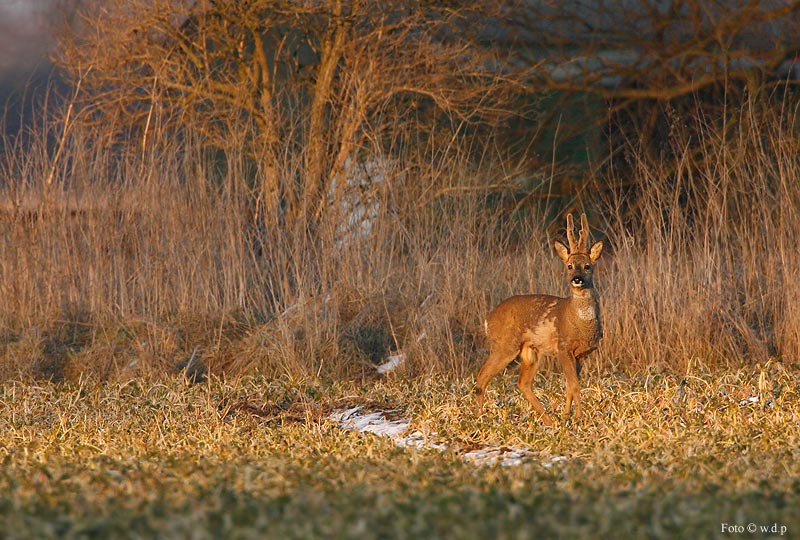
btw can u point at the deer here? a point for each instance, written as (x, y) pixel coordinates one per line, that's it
(532, 325)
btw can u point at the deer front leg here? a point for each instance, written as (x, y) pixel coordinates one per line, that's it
(570, 366)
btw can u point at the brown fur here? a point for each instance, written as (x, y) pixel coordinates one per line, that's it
(529, 326)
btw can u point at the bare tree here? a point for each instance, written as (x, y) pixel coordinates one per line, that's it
(316, 79)
(650, 62)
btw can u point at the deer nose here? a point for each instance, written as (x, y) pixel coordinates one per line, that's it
(577, 280)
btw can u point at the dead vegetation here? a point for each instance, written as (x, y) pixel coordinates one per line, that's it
(179, 269)
(352, 197)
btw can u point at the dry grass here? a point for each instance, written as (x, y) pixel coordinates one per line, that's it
(658, 456)
(701, 273)
(122, 268)
(129, 265)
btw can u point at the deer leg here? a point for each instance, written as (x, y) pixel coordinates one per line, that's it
(529, 364)
(578, 366)
(570, 367)
(494, 364)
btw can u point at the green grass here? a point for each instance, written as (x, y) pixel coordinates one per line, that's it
(657, 456)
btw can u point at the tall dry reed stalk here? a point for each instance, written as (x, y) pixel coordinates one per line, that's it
(703, 274)
(132, 261)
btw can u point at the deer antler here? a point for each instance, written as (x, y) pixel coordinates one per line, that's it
(573, 246)
(583, 236)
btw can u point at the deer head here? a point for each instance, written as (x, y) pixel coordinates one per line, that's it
(579, 258)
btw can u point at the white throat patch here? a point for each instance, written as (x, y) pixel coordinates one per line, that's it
(587, 313)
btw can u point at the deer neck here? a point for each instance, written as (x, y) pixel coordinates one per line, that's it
(584, 304)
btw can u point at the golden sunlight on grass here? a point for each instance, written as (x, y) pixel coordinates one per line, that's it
(655, 454)
(227, 232)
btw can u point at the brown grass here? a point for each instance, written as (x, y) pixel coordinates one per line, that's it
(128, 264)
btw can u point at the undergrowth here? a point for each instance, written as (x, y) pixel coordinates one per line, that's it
(143, 265)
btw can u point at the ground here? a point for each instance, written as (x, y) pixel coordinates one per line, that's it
(700, 455)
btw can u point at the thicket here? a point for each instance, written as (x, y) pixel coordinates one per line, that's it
(311, 187)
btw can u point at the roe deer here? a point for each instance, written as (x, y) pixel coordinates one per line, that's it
(534, 324)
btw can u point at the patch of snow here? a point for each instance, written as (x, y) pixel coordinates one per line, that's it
(392, 362)
(510, 457)
(505, 456)
(420, 441)
(376, 422)
(398, 358)
(554, 460)
(748, 401)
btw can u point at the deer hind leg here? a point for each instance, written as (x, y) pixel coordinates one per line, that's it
(498, 359)
(529, 364)
(570, 366)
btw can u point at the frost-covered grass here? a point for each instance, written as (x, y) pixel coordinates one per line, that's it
(657, 456)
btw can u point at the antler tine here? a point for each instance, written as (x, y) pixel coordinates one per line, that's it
(583, 237)
(573, 246)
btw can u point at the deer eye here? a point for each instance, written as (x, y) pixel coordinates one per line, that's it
(569, 267)
(587, 267)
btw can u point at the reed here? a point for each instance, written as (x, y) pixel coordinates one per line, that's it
(117, 261)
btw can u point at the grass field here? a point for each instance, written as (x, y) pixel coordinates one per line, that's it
(692, 419)
(657, 456)
(179, 322)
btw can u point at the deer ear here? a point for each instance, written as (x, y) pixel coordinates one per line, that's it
(596, 250)
(561, 251)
